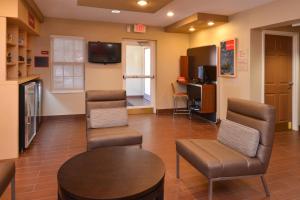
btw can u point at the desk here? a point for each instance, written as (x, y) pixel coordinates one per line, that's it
(205, 95)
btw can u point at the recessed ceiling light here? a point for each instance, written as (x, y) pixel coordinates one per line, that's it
(170, 14)
(192, 29)
(210, 23)
(116, 11)
(142, 2)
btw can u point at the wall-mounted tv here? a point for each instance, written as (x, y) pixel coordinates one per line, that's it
(104, 52)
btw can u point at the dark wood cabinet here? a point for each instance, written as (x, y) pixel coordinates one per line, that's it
(203, 96)
(184, 67)
(208, 98)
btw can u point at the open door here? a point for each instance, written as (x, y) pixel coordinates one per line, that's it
(138, 75)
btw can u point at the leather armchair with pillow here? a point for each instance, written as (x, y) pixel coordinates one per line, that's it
(107, 120)
(243, 147)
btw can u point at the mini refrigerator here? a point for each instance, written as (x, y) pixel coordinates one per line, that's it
(30, 103)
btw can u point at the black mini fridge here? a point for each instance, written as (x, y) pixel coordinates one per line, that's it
(30, 104)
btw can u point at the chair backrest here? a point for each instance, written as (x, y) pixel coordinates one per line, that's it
(258, 116)
(173, 88)
(104, 99)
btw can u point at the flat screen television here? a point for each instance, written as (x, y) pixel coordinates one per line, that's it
(207, 74)
(104, 52)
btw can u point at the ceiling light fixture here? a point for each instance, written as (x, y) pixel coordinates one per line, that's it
(192, 29)
(142, 2)
(116, 11)
(210, 23)
(170, 14)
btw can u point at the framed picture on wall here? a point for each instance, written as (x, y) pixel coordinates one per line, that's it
(227, 65)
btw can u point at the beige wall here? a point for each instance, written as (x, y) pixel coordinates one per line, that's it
(9, 8)
(169, 48)
(9, 133)
(247, 84)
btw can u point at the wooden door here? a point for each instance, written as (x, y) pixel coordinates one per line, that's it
(278, 78)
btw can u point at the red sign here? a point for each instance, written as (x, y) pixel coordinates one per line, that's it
(230, 45)
(31, 20)
(44, 52)
(139, 28)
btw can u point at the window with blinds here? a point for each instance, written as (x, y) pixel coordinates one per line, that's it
(67, 63)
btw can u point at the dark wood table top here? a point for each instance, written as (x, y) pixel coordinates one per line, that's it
(111, 173)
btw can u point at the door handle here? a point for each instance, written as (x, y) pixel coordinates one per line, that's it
(291, 85)
(138, 76)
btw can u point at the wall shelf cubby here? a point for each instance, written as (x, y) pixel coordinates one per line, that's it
(11, 44)
(10, 64)
(19, 54)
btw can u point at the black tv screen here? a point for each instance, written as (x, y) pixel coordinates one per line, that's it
(104, 52)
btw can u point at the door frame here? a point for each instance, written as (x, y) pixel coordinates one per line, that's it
(295, 71)
(153, 45)
(146, 96)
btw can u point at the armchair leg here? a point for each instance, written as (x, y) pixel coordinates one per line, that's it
(210, 189)
(177, 166)
(141, 146)
(263, 180)
(13, 190)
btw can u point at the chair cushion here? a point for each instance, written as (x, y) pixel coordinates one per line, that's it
(239, 137)
(108, 117)
(117, 136)
(105, 95)
(90, 105)
(7, 172)
(216, 160)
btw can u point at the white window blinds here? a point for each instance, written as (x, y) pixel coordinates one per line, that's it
(67, 63)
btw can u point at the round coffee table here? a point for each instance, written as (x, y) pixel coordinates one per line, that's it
(112, 173)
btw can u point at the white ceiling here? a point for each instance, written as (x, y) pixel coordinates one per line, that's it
(182, 8)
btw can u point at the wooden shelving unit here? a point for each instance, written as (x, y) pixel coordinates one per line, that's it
(12, 51)
(19, 54)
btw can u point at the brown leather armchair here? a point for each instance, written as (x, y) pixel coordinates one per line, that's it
(7, 175)
(110, 136)
(219, 162)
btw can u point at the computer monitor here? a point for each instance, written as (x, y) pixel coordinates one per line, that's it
(207, 73)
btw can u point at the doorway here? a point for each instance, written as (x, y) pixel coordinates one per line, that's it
(280, 77)
(138, 75)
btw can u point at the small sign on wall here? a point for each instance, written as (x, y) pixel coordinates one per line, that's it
(139, 28)
(45, 52)
(242, 59)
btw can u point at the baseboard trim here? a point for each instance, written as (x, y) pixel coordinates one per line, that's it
(137, 96)
(168, 111)
(62, 116)
(137, 111)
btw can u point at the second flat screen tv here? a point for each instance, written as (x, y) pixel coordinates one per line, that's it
(104, 52)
